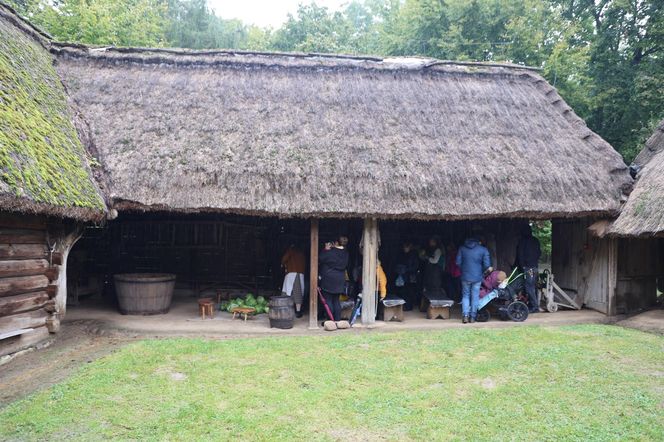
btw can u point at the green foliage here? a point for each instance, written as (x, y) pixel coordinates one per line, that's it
(605, 57)
(542, 231)
(193, 25)
(41, 156)
(101, 22)
(580, 383)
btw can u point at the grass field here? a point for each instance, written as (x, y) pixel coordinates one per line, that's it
(523, 383)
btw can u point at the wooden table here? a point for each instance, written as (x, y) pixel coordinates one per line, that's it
(243, 312)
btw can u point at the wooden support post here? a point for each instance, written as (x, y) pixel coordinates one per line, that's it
(369, 263)
(313, 276)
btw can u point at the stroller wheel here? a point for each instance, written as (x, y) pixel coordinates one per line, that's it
(483, 315)
(552, 307)
(517, 311)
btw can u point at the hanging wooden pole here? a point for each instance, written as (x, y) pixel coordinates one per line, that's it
(313, 275)
(369, 263)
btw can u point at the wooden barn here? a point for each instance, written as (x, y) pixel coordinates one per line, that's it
(47, 189)
(193, 141)
(214, 161)
(639, 231)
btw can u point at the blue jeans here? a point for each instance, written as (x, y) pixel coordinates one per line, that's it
(470, 297)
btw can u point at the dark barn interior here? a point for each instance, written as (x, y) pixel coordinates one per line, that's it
(241, 253)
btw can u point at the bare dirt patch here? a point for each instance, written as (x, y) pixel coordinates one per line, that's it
(651, 321)
(76, 344)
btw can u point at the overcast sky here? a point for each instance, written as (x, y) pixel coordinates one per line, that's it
(265, 12)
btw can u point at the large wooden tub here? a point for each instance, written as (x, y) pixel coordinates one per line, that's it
(144, 293)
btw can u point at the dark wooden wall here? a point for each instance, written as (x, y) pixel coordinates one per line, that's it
(28, 282)
(584, 265)
(203, 250)
(640, 264)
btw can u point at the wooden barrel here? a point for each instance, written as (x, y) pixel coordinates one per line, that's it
(282, 312)
(144, 293)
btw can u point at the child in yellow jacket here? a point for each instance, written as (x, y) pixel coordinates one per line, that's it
(381, 283)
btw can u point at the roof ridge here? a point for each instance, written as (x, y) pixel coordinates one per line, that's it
(408, 62)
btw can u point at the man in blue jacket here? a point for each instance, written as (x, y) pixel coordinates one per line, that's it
(473, 259)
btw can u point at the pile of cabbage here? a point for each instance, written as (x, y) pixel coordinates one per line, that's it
(257, 302)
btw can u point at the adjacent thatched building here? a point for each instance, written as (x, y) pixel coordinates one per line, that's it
(640, 229)
(46, 186)
(643, 214)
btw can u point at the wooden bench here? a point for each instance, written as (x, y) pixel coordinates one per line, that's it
(438, 312)
(392, 309)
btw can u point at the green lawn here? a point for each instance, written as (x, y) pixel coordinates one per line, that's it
(522, 383)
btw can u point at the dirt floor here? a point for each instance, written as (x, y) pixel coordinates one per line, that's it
(651, 321)
(94, 330)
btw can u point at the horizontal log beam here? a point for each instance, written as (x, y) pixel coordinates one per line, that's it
(24, 267)
(22, 221)
(52, 290)
(10, 305)
(13, 236)
(23, 251)
(50, 306)
(22, 284)
(31, 319)
(52, 273)
(18, 343)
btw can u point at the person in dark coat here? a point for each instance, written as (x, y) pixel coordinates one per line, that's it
(434, 265)
(473, 259)
(528, 253)
(406, 267)
(333, 262)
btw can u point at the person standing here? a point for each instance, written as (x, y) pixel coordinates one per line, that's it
(406, 268)
(333, 262)
(528, 253)
(473, 259)
(434, 260)
(294, 264)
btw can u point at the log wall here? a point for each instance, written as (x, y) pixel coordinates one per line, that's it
(29, 272)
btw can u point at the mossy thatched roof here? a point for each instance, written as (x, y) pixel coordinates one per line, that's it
(643, 214)
(307, 134)
(44, 168)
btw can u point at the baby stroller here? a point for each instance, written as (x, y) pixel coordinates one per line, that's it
(508, 299)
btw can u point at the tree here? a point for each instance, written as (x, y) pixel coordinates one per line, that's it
(102, 22)
(193, 25)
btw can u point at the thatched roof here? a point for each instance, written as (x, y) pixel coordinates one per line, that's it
(299, 135)
(643, 214)
(43, 165)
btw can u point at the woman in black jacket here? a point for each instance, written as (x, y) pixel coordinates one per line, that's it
(333, 262)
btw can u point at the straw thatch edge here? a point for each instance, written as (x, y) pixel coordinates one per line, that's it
(11, 203)
(133, 206)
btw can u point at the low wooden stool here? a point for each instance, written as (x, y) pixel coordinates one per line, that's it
(394, 313)
(438, 312)
(206, 307)
(243, 312)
